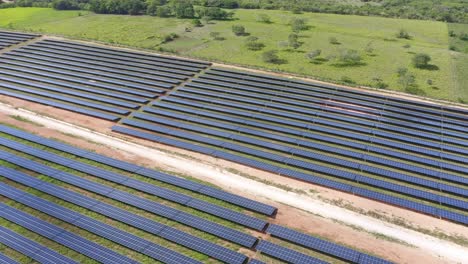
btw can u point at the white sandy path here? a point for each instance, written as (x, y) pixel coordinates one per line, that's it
(448, 251)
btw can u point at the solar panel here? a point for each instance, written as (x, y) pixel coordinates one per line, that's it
(63, 237)
(142, 223)
(254, 261)
(6, 260)
(159, 209)
(286, 254)
(31, 249)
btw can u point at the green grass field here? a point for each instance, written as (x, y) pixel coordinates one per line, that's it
(353, 32)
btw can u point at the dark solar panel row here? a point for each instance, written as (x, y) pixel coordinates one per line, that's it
(145, 224)
(18, 34)
(63, 237)
(64, 85)
(289, 161)
(132, 54)
(286, 254)
(88, 76)
(160, 176)
(308, 85)
(61, 106)
(6, 260)
(264, 108)
(66, 99)
(416, 206)
(364, 157)
(31, 249)
(164, 193)
(53, 77)
(349, 135)
(337, 95)
(275, 100)
(159, 82)
(65, 60)
(105, 61)
(320, 245)
(99, 54)
(91, 225)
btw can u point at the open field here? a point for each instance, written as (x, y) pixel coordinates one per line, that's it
(352, 32)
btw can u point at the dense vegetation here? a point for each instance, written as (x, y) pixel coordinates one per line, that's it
(440, 10)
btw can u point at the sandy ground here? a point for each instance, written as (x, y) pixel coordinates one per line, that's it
(307, 212)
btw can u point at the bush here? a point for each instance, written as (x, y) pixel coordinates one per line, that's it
(270, 56)
(314, 54)
(347, 80)
(421, 60)
(403, 34)
(349, 57)
(293, 41)
(216, 35)
(299, 24)
(463, 36)
(169, 37)
(264, 18)
(252, 43)
(197, 23)
(402, 71)
(333, 41)
(65, 5)
(238, 30)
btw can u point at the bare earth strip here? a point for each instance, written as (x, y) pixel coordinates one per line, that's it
(307, 212)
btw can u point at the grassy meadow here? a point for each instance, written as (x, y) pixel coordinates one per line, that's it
(446, 79)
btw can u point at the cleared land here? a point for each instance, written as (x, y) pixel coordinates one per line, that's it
(352, 32)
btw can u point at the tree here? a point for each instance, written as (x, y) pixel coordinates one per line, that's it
(293, 41)
(153, 5)
(313, 55)
(252, 43)
(298, 24)
(421, 60)
(271, 56)
(264, 18)
(238, 30)
(65, 5)
(183, 9)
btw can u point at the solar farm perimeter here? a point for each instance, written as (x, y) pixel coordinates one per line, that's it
(408, 154)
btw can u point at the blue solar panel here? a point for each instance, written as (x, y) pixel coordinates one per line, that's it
(254, 261)
(31, 249)
(286, 254)
(61, 236)
(61, 106)
(6, 260)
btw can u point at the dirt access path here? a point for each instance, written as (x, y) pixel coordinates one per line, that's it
(307, 212)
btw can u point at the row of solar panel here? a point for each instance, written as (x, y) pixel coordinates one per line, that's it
(292, 152)
(234, 135)
(438, 153)
(416, 206)
(90, 204)
(371, 97)
(151, 189)
(130, 54)
(252, 127)
(324, 105)
(387, 111)
(8, 39)
(93, 226)
(99, 53)
(305, 121)
(149, 173)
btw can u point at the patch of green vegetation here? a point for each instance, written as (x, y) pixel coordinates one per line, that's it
(23, 119)
(353, 33)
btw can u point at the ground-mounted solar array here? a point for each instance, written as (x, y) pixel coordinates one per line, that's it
(8, 39)
(91, 80)
(63, 204)
(412, 155)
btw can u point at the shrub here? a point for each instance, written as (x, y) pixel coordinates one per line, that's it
(216, 35)
(347, 80)
(463, 36)
(238, 30)
(403, 34)
(252, 43)
(270, 56)
(333, 40)
(299, 24)
(264, 18)
(293, 41)
(421, 60)
(314, 54)
(349, 56)
(169, 37)
(197, 23)
(402, 71)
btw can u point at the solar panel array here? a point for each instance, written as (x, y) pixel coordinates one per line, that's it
(8, 38)
(35, 161)
(91, 80)
(343, 139)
